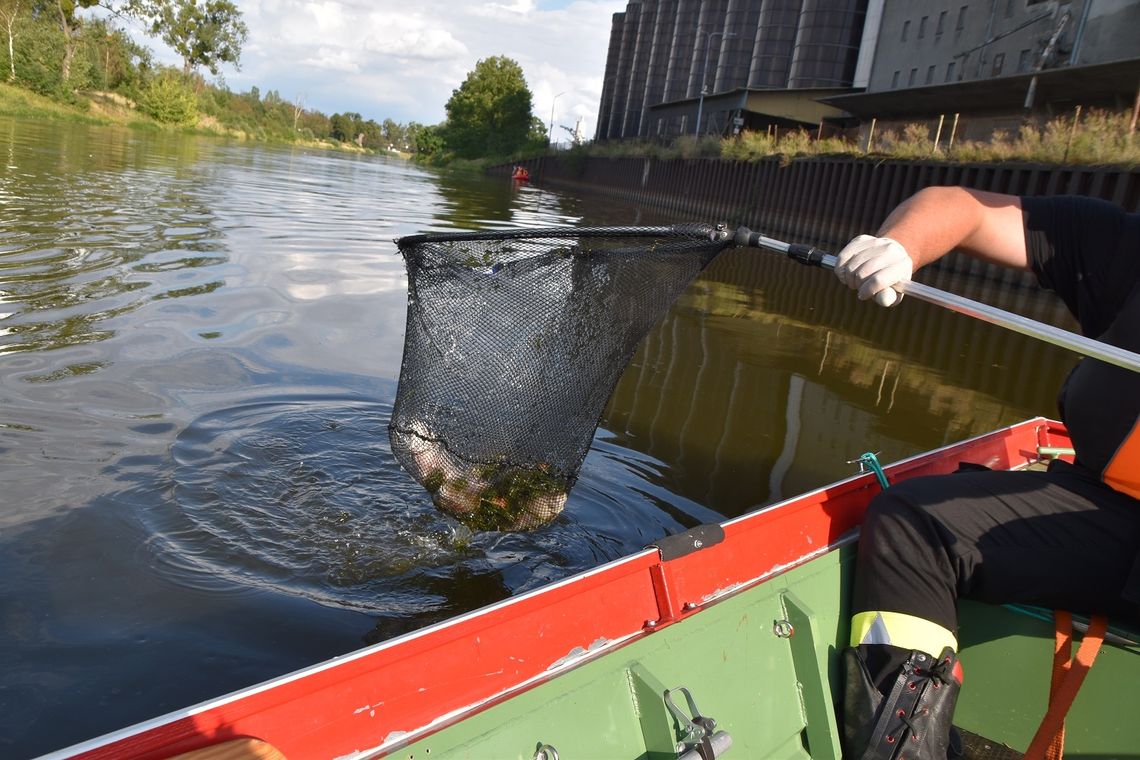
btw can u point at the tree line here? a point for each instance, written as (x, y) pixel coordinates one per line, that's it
(52, 48)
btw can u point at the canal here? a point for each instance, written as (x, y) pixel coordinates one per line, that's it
(199, 349)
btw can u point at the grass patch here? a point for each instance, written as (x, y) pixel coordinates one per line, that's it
(1090, 138)
(15, 101)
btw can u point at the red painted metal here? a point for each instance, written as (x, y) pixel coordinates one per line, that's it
(415, 684)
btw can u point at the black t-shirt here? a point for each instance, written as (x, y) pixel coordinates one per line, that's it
(1088, 252)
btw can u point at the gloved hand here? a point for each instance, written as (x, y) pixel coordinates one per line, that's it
(873, 265)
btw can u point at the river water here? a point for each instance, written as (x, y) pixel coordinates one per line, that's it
(199, 348)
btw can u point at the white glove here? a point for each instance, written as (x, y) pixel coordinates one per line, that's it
(873, 266)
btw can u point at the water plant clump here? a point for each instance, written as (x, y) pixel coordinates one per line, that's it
(505, 497)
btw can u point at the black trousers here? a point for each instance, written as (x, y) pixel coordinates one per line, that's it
(1059, 539)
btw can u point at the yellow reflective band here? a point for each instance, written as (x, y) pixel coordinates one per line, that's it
(903, 631)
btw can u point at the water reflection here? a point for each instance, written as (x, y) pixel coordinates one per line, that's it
(83, 223)
(767, 378)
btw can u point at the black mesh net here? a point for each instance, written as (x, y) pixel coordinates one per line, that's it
(514, 343)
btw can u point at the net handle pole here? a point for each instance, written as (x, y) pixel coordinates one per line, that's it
(811, 256)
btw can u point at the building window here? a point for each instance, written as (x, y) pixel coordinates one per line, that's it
(895, 81)
(949, 71)
(1023, 60)
(999, 60)
(930, 75)
(938, 30)
(912, 77)
(906, 29)
(922, 27)
(961, 18)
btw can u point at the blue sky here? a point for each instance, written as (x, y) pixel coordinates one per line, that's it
(402, 60)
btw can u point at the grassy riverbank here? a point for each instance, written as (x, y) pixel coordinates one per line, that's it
(18, 102)
(104, 108)
(1091, 138)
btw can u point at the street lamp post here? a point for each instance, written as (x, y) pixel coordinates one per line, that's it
(704, 74)
(550, 129)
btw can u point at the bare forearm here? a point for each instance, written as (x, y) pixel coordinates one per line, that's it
(937, 220)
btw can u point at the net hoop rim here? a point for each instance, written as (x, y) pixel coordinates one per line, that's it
(710, 232)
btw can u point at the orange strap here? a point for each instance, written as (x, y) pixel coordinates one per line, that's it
(1068, 674)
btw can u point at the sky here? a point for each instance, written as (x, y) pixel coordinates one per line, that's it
(402, 59)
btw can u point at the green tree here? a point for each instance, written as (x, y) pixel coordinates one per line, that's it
(39, 56)
(490, 113)
(394, 134)
(69, 24)
(205, 33)
(108, 59)
(169, 99)
(427, 141)
(340, 127)
(371, 135)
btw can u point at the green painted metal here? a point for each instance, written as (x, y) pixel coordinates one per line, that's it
(1007, 659)
(776, 694)
(812, 675)
(657, 726)
(729, 656)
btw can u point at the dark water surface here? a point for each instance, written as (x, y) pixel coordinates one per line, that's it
(199, 345)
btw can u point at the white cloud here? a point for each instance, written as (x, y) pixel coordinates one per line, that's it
(401, 60)
(333, 60)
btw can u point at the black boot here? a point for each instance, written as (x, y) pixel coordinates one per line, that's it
(912, 721)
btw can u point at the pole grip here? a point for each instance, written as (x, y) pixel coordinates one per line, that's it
(808, 254)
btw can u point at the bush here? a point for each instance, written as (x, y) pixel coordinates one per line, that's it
(168, 99)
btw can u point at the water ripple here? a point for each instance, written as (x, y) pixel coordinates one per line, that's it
(303, 495)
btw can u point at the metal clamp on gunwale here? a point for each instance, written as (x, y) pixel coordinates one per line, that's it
(701, 740)
(692, 540)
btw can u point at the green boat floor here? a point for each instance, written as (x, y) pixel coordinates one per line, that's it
(980, 748)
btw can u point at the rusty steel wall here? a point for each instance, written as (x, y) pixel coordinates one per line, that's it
(813, 199)
(822, 201)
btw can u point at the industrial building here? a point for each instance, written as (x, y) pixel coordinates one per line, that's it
(679, 67)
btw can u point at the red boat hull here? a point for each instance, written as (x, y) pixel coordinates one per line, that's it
(382, 697)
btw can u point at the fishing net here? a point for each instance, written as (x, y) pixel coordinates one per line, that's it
(514, 343)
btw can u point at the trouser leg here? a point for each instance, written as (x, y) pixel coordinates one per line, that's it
(1056, 539)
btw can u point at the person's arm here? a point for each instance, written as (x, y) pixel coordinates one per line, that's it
(927, 226)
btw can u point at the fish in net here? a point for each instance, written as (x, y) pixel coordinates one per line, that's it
(514, 342)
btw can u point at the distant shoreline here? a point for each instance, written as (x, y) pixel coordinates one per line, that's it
(112, 109)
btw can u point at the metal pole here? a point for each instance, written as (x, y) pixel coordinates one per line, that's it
(1135, 115)
(1056, 336)
(550, 129)
(938, 133)
(704, 76)
(1073, 131)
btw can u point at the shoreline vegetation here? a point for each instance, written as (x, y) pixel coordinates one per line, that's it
(1095, 137)
(65, 61)
(99, 108)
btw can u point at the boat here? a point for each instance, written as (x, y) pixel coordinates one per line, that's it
(520, 174)
(723, 640)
